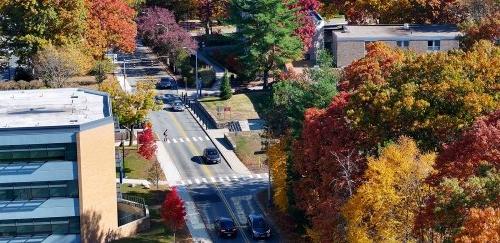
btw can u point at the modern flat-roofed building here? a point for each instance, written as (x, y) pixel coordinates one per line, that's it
(57, 166)
(348, 42)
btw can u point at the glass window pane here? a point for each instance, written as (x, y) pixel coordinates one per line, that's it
(42, 226)
(74, 225)
(73, 189)
(6, 194)
(39, 192)
(24, 226)
(58, 190)
(60, 226)
(22, 194)
(7, 227)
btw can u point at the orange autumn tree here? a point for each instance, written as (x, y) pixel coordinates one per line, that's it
(277, 159)
(110, 25)
(481, 225)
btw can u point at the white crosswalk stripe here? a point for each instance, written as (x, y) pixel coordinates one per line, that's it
(201, 139)
(181, 140)
(175, 141)
(224, 179)
(194, 139)
(168, 141)
(187, 140)
(207, 138)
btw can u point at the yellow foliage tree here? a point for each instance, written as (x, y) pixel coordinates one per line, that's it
(384, 207)
(277, 159)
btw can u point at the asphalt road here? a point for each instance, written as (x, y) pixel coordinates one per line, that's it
(186, 140)
(233, 199)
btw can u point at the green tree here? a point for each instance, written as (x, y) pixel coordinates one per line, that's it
(225, 87)
(267, 28)
(131, 108)
(27, 25)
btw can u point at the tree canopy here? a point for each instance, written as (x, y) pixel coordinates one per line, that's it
(266, 28)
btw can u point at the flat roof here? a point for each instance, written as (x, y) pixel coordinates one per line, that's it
(51, 107)
(397, 32)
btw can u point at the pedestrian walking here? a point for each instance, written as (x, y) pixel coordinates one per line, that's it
(165, 135)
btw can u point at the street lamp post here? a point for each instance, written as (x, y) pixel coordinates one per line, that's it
(196, 74)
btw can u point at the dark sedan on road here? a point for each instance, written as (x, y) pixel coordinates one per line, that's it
(258, 226)
(211, 155)
(225, 227)
(165, 83)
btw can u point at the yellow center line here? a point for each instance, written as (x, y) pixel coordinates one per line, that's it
(206, 171)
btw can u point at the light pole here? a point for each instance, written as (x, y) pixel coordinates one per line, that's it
(196, 74)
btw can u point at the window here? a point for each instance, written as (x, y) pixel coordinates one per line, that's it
(38, 190)
(403, 44)
(46, 226)
(433, 45)
(37, 152)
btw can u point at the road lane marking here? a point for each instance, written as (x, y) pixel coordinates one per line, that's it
(207, 138)
(180, 139)
(259, 176)
(235, 178)
(212, 179)
(189, 182)
(201, 139)
(204, 180)
(221, 180)
(187, 140)
(206, 171)
(175, 141)
(197, 181)
(168, 141)
(251, 176)
(227, 178)
(194, 139)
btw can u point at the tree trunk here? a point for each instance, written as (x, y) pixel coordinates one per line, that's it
(266, 79)
(131, 137)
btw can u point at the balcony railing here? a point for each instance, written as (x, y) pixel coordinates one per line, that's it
(132, 208)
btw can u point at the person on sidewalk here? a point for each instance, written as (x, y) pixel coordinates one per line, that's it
(165, 135)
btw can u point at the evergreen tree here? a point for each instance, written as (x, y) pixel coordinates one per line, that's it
(225, 87)
(267, 28)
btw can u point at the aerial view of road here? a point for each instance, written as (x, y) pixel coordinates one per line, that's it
(216, 189)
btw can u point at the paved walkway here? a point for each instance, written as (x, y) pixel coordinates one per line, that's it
(219, 70)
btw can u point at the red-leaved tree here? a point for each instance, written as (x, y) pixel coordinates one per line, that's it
(478, 145)
(147, 144)
(330, 165)
(173, 211)
(307, 27)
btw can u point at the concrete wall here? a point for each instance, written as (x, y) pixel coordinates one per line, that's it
(347, 52)
(97, 184)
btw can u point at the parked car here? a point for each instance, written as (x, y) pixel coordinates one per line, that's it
(258, 226)
(225, 227)
(178, 106)
(211, 155)
(165, 83)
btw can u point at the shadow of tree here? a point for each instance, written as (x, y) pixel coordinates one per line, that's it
(92, 231)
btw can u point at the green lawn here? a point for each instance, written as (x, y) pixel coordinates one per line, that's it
(157, 233)
(136, 167)
(252, 105)
(247, 144)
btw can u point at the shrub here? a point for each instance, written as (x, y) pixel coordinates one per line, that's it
(13, 85)
(225, 87)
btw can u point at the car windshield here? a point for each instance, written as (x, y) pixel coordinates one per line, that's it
(259, 223)
(212, 152)
(226, 224)
(178, 104)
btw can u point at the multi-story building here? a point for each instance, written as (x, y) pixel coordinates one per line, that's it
(348, 42)
(57, 166)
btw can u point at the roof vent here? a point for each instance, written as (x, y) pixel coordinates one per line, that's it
(345, 29)
(73, 120)
(406, 26)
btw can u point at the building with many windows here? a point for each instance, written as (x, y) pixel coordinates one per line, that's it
(57, 166)
(348, 42)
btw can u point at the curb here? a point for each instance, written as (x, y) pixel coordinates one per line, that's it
(208, 135)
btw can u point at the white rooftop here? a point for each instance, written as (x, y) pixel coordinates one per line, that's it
(396, 32)
(50, 107)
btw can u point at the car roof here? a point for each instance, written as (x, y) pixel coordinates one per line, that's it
(255, 216)
(225, 219)
(166, 79)
(210, 149)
